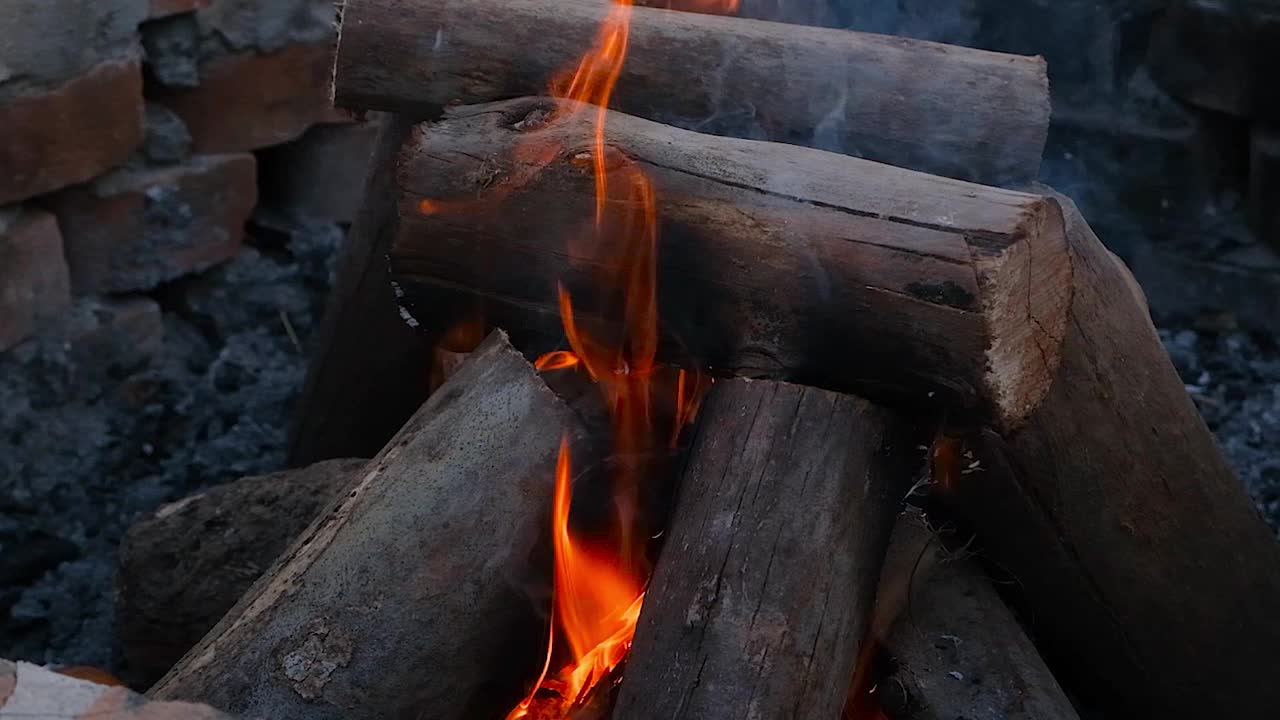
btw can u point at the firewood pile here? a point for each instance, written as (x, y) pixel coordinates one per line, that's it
(680, 423)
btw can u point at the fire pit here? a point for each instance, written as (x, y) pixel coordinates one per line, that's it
(678, 413)
(785, 284)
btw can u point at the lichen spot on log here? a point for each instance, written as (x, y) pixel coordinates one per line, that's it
(309, 658)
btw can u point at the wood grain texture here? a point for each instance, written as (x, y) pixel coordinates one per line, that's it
(775, 261)
(1146, 569)
(368, 370)
(409, 598)
(763, 590)
(947, 110)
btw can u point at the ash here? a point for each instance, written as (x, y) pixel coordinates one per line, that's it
(135, 402)
(1234, 377)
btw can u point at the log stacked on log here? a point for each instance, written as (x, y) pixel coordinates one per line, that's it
(948, 110)
(1099, 439)
(408, 599)
(776, 261)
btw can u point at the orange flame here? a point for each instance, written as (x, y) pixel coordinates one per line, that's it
(596, 605)
(558, 360)
(598, 591)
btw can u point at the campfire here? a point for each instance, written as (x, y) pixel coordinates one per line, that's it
(698, 419)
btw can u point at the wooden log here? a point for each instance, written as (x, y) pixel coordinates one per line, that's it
(764, 586)
(1145, 568)
(948, 110)
(410, 597)
(368, 370)
(775, 261)
(30, 692)
(955, 649)
(183, 566)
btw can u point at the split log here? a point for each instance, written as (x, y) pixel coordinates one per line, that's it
(1145, 568)
(183, 566)
(368, 371)
(955, 650)
(775, 261)
(952, 111)
(763, 590)
(410, 597)
(30, 692)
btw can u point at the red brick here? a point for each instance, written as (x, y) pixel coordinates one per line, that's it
(135, 229)
(72, 133)
(33, 274)
(250, 100)
(165, 8)
(321, 175)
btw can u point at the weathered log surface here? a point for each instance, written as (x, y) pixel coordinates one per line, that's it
(185, 565)
(409, 598)
(947, 110)
(368, 371)
(774, 261)
(764, 588)
(30, 692)
(956, 651)
(1146, 569)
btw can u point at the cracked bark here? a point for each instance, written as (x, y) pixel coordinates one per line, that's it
(763, 591)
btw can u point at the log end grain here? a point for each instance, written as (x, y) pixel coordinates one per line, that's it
(1026, 291)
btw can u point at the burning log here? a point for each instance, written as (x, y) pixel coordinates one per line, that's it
(775, 260)
(954, 649)
(406, 600)
(1145, 566)
(952, 111)
(794, 264)
(357, 397)
(765, 583)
